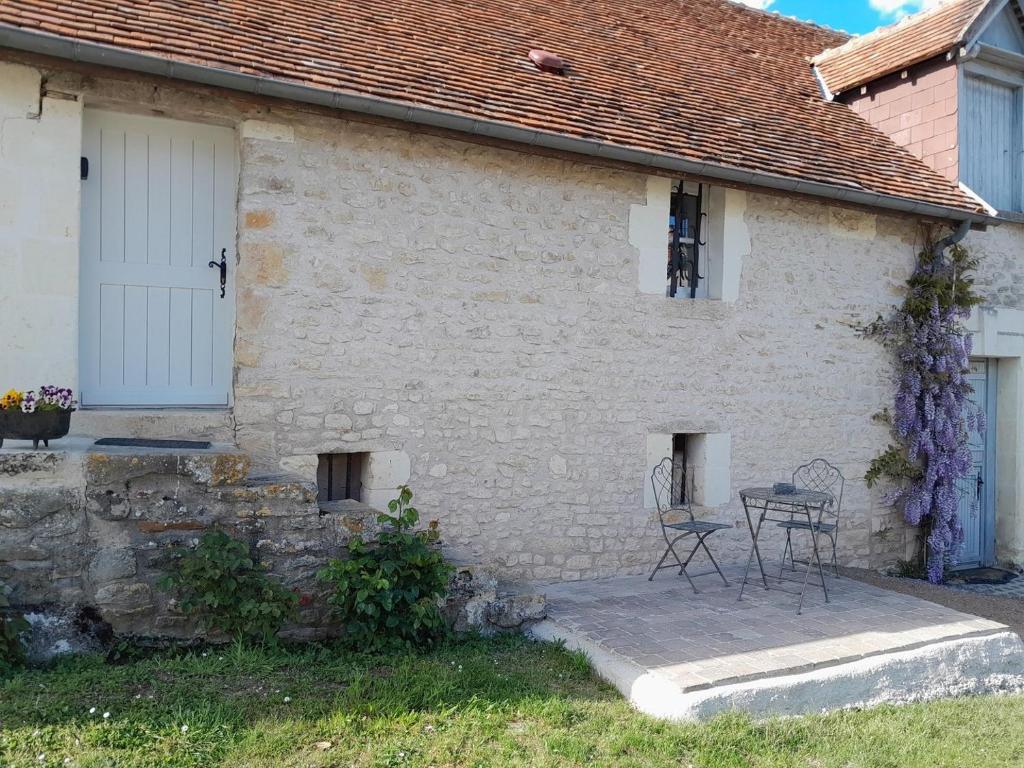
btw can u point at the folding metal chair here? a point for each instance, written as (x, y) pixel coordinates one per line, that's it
(667, 478)
(817, 475)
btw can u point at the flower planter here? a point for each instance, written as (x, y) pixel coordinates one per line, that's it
(37, 426)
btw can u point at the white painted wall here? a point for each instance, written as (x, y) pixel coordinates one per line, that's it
(40, 146)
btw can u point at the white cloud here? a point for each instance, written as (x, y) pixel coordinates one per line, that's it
(762, 4)
(897, 9)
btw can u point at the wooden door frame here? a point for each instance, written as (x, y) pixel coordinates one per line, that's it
(231, 241)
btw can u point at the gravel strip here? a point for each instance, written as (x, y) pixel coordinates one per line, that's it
(1006, 610)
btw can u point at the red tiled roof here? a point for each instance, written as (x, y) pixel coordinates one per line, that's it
(915, 39)
(702, 80)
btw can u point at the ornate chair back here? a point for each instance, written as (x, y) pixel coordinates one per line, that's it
(819, 475)
(668, 480)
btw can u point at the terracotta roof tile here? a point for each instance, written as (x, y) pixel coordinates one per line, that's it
(915, 39)
(702, 80)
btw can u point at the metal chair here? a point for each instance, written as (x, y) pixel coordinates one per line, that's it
(817, 475)
(665, 478)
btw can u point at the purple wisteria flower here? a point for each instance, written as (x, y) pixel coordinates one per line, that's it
(933, 413)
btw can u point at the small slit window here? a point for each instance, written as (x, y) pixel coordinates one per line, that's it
(339, 476)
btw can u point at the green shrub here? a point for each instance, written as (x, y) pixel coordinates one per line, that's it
(13, 629)
(221, 585)
(387, 594)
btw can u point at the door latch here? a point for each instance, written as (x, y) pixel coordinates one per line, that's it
(979, 485)
(222, 265)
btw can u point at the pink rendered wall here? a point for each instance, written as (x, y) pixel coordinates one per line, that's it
(919, 112)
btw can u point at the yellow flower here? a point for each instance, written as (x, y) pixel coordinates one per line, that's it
(11, 400)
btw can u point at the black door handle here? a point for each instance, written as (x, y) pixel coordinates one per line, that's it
(980, 484)
(223, 267)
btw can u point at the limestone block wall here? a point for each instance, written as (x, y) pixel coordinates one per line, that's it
(1001, 271)
(477, 310)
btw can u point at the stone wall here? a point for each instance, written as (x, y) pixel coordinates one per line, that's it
(1001, 271)
(97, 529)
(477, 309)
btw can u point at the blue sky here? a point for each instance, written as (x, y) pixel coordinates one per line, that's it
(855, 16)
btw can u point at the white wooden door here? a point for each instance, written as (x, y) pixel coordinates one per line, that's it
(158, 205)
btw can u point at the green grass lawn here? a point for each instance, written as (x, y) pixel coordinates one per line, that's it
(507, 702)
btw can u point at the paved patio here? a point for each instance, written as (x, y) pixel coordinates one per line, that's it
(710, 642)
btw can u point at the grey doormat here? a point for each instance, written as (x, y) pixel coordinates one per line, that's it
(984, 576)
(140, 442)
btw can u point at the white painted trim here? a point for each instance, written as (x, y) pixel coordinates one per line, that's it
(822, 85)
(648, 233)
(729, 242)
(727, 237)
(975, 196)
(998, 332)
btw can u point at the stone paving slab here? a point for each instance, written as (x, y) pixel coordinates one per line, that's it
(710, 639)
(1013, 588)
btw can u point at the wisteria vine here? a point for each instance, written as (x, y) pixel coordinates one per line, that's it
(932, 412)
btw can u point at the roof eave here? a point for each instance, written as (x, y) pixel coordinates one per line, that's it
(48, 44)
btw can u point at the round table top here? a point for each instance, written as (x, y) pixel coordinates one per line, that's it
(800, 496)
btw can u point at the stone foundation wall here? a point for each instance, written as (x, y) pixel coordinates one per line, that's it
(96, 529)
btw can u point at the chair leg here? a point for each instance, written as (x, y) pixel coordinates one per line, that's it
(669, 550)
(686, 562)
(835, 562)
(788, 548)
(712, 559)
(657, 568)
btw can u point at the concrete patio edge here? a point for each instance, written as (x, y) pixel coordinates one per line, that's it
(971, 665)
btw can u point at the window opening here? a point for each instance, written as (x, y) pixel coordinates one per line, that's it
(687, 241)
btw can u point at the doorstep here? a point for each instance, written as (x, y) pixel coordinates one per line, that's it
(216, 425)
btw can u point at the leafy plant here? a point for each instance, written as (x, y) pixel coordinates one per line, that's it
(221, 585)
(933, 411)
(387, 593)
(13, 629)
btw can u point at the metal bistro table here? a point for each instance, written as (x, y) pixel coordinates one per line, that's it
(774, 507)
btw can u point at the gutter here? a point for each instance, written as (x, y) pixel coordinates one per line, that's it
(105, 55)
